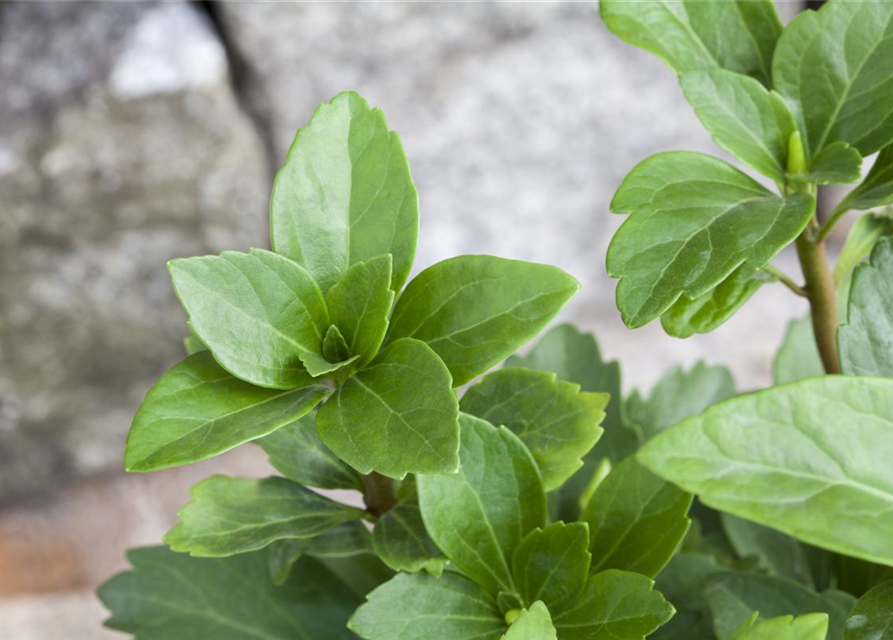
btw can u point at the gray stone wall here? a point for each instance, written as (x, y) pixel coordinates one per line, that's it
(132, 133)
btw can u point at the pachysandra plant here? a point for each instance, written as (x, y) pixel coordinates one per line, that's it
(542, 504)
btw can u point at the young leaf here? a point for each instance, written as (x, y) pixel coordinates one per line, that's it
(866, 340)
(334, 346)
(833, 68)
(474, 311)
(419, 607)
(534, 623)
(401, 541)
(344, 541)
(197, 410)
(359, 304)
(743, 117)
(877, 188)
(297, 453)
(734, 596)
(235, 515)
(261, 315)
(739, 35)
(837, 163)
(557, 422)
(872, 617)
(345, 194)
(172, 595)
(684, 206)
(478, 516)
(637, 520)
(704, 314)
(798, 357)
(399, 415)
(552, 565)
(863, 236)
(615, 604)
(812, 626)
(677, 395)
(779, 554)
(575, 357)
(775, 457)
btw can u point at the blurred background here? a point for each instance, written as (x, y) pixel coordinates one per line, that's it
(132, 133)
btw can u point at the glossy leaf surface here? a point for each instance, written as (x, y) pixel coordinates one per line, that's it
(636, 520)
(552, 565)
(834, 67)
(401, 541)
(693, 221)
(172, 595)
(420, 607)
(877, 188)
(345, 194)
(261, 315)
(198, 410)
(475, 311)
(557, 422)
(479, 515)
(534, 623)
(399, 415)
(812, 626)
(236, 515)
(774, 457)
(872, 617)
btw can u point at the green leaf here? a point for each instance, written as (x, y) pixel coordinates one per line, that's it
(743, 117)
(345, 194)
(261, 315)
(197, 410)
(779, 554)
(344, 541)
(682, 206)
(334, 346)
(420, 607)
(704, 314)
(474, 311)
(362, 574)
(833, 68)
(297, 453)
(236, 515)
(682, 582)
(478, 516)
(171, 595)
(637, 520)
(877, 188)
(872, 617)
(865, 341)
(534, 623)
(734, 596)
(798, 357)
(552, 565)
(616, 605)
(557, 422)
(776, 457)
(401, 541)
(399, 415)
(677, 395)
(359, 305)
(812, 626)
(863, 236)
(739, 35)
(575, 357)
(837, 163)
(193, 345)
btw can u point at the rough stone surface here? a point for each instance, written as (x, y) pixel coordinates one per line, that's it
(121, 146)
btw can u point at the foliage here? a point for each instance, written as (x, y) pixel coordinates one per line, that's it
(540, 503)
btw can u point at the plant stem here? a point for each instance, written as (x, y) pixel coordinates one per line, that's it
(821, 293)
(828, 226)
(786, 280)
(379, 494)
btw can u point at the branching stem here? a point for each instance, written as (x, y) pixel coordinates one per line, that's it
(787, 281)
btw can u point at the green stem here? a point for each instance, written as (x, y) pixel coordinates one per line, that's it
(379, 494)
(786, 280)
(822, 295)
(828, 226)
